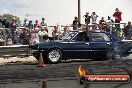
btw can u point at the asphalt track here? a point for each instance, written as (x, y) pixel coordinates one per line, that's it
(62, 75)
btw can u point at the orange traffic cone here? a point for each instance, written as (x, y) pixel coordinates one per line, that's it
(41, 61)
(44, 85)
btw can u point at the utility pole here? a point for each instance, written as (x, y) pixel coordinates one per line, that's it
(79, 11)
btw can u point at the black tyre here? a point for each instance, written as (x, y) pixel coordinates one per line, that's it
(110, 55)
(113, 55)
(54, 56)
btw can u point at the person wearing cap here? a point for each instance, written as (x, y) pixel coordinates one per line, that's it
(43, 23)
(75, 23)
(87, 18)
(117, 14)
(109, 22)
(30, 25)
(43, 34)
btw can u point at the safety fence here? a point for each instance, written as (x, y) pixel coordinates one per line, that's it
(23, 36)
(14, 51)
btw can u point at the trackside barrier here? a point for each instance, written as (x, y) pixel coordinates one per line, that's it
(14, 51)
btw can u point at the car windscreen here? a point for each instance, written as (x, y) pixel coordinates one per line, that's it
(69, 35)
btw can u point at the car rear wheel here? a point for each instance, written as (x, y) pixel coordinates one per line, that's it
(54, 56)
(111, 55)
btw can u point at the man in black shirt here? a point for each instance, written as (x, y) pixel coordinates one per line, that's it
(128, 30)
(5, 23)
(75, 23)
(87, 18)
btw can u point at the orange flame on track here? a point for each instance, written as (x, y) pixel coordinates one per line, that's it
(81, 71)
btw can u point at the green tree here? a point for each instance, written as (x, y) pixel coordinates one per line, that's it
(9, 17)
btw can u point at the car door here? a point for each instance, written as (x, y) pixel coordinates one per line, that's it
(79, 47)
(100, 43)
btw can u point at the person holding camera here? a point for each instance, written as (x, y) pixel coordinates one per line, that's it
(118, 17)
(75, 23)
(87, 18)
(94, 17)
(102, 24)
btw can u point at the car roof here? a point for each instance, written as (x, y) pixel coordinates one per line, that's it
(93, 31)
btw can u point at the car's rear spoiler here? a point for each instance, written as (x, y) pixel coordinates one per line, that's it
(127, 40)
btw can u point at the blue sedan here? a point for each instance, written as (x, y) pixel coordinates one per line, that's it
(82, 44)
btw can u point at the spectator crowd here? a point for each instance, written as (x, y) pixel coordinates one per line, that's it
(29, 33)
(108, 25)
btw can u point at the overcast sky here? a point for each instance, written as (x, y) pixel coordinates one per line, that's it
(63, 11)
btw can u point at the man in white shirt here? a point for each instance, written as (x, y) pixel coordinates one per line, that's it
(94, 17)
(43, 34)
(109, 24)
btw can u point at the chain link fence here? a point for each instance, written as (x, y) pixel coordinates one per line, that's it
(25, 36)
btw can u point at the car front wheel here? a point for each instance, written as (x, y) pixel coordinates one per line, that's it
(54, 56)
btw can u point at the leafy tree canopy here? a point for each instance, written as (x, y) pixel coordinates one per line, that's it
(9, 17)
